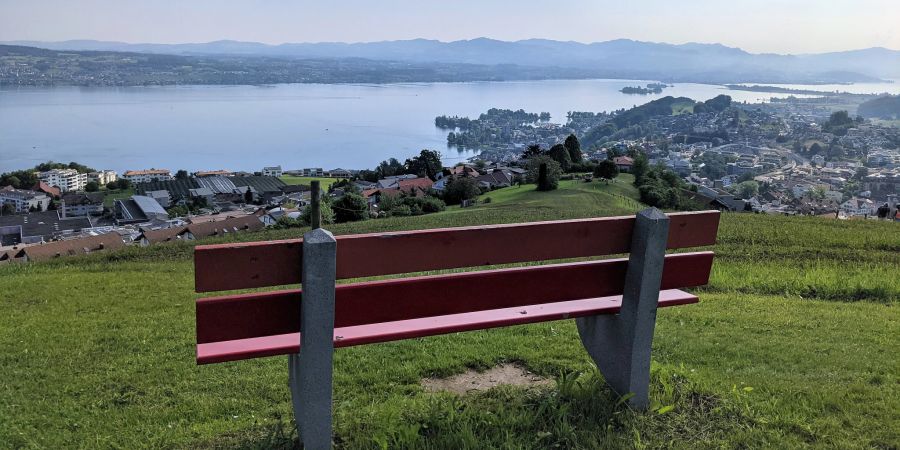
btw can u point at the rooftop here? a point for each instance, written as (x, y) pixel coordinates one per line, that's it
(47, 224)
(147, 172)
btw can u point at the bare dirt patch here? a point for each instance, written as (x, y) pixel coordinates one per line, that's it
(504, 374)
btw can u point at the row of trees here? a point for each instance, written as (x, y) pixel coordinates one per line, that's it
(26, 179)
(426, 164)
(568, 154)
(658, 186)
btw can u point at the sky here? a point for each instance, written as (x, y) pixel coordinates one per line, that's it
(759, 26)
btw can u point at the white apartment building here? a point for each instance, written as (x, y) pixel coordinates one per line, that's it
(67, 180)
(103, 177)
(146, 176)
(274, 171)
(24, 201)
(858, 207)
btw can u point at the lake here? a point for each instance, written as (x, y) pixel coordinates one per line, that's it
(292, 125)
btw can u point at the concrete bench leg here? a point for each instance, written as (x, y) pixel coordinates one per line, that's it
(620, 344)
(310, 372)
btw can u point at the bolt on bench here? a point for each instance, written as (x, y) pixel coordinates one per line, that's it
(614, 301)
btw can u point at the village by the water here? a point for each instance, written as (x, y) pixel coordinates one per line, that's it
(821, 156)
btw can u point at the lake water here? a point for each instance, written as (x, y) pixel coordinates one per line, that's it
(293, 125)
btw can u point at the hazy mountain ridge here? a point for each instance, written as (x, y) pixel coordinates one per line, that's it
(622, 57)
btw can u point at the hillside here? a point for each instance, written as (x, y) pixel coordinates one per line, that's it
(619, 58)
(885, 107)
(30, 66)
(792, 346)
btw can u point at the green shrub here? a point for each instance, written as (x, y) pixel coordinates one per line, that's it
(459, 189)
(433, 205)
(351, 208)
(553, 172)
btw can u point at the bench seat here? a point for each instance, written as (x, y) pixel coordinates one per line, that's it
(289, 343)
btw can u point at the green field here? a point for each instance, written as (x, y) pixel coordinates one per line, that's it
(325, 182)
(112, 196)
(794, 345)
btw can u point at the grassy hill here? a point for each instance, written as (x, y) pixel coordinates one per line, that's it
(793, 345)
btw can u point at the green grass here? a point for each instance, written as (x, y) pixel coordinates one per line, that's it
(793, 345)
(112, 196)
(682, 108)
(325, 182)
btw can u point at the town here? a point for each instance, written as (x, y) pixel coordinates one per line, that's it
(787, 157)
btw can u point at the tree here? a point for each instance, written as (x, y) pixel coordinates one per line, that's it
(459, 189)
(248, 196)
(389, 168)
(123, 184)
(574, 148)
(606, 170)
(7, 209)
(747, 189)
(427, 164)
(112, 185)
(817, 193)
(815, 149)
(326, 215)
(368, 175)
(559, 154)
(19, 179)
(350, 208)
(838, 123)
(532, 150)
(552, 171)
(181, 175)
(14, 181)
(92, 186)
(639, 168)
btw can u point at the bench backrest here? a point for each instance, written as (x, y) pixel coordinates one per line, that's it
(237, 266)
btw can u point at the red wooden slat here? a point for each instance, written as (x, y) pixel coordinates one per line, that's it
(251, 265)
(240, 266)
(262, 314)
(287, 343)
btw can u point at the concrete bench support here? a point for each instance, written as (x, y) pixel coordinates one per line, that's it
(620, 344)
(311, 369)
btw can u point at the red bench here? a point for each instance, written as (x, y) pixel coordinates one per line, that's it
(616, 332)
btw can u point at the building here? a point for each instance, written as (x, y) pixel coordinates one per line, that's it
(624, 163)
(41, 186)
(39, 227)
(150, 237)
(24, 201)
(415, 186)
(67, 180)
(222, 228)
(206, 194)
(858, 207)
(214, 173)
(161, 196)
(103, 177)
(340, 173)
(495, 179)
(81, 205)
(274, 171)
(72, 247)
(139, 209)
(818, 160)
(146, 176)
(314, 172)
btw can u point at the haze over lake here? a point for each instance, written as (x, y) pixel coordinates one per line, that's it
(292, 125)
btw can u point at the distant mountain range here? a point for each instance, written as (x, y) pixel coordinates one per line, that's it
(711, 63)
